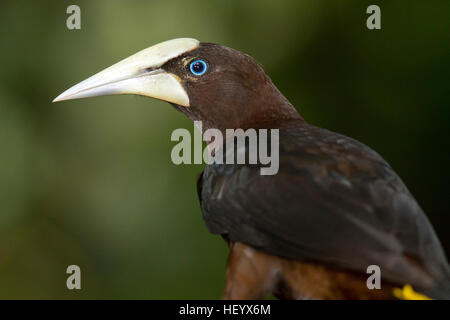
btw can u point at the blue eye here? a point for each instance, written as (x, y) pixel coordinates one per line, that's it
(198, 67)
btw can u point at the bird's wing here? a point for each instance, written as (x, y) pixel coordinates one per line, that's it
(334, 200)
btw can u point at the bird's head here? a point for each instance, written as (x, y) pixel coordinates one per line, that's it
(219, 86)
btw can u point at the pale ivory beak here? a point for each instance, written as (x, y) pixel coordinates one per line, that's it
(139, 74)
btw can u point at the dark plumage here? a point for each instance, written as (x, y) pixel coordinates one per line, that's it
(334, 200)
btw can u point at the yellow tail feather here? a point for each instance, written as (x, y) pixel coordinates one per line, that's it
(408, 293)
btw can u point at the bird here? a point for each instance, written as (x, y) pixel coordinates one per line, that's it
(310, 231)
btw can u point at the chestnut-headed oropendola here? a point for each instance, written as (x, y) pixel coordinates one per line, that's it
(334, 208)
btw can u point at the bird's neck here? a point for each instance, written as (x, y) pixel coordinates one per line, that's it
(272, 110)
(269, 111)
(266, 109)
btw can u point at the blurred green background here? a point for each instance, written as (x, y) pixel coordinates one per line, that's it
(90, 182)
